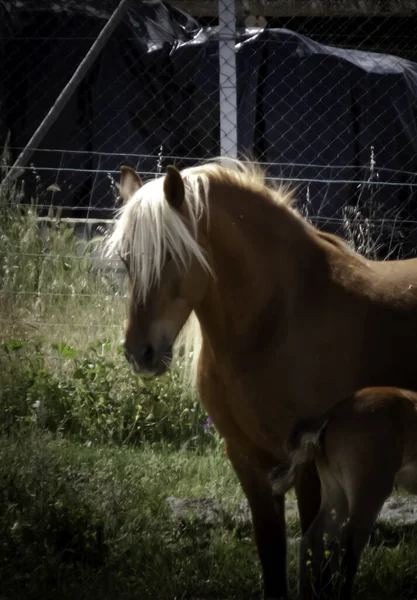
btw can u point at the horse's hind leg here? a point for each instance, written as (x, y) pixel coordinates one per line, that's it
(320, 550)
(363, 511)
(268, 516)
(331, 549)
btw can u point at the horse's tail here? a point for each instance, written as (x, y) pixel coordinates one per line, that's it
(305, 438)
(303, 445)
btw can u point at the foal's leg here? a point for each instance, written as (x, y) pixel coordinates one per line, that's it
(320, 551)
(364, 508)
(354, 488)
(307, 489)
(268, 517)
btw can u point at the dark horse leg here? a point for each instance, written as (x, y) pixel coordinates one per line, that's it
(308, 490)
(331, 548)
(268, 517)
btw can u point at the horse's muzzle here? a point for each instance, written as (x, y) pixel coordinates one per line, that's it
(147, 359)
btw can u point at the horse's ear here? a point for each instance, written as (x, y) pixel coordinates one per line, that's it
(130, 182)
(174, 189)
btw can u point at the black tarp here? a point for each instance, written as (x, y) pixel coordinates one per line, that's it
(316, 114)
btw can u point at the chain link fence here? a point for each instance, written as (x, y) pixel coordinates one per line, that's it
(327, 104)
(337, 118)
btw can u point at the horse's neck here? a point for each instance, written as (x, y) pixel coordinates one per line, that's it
(263, 257)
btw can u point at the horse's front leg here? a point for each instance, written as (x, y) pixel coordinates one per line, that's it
(268, 517)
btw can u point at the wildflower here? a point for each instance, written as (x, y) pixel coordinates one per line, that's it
(207, 424)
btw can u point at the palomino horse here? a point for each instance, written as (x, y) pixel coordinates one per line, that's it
(361, 447)
(286, 321)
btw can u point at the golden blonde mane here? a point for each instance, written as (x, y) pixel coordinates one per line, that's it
(147, 227)
(244, 174)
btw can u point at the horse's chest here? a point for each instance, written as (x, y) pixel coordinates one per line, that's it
(246, 418)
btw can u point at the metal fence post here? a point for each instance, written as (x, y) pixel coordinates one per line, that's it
(68, 90)
(227, 78)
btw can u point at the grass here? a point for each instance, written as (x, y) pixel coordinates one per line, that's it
(93, 522)
(89, 453)
(50, 285)
(91, 395)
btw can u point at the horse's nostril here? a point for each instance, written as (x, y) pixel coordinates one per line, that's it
(142, 357)
(148, 355)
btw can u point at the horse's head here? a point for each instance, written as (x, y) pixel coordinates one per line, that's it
(158, 237)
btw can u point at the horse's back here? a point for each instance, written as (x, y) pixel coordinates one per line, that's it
(372, 402)
(374, 412)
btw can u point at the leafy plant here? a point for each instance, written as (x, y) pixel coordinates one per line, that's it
(95, 397)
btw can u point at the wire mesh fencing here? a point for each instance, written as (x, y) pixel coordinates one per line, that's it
(339, 122)
(325, 104)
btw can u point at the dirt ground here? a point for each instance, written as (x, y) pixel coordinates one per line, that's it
(206, 511)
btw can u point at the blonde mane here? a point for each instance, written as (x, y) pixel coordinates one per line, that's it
(147, 228)
(247, 175)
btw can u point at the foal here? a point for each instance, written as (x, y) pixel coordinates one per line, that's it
(361, 447)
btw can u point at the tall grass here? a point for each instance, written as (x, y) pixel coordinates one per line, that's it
(62, 369)
(50, 284)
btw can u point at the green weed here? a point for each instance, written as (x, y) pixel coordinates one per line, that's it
(93, 396)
